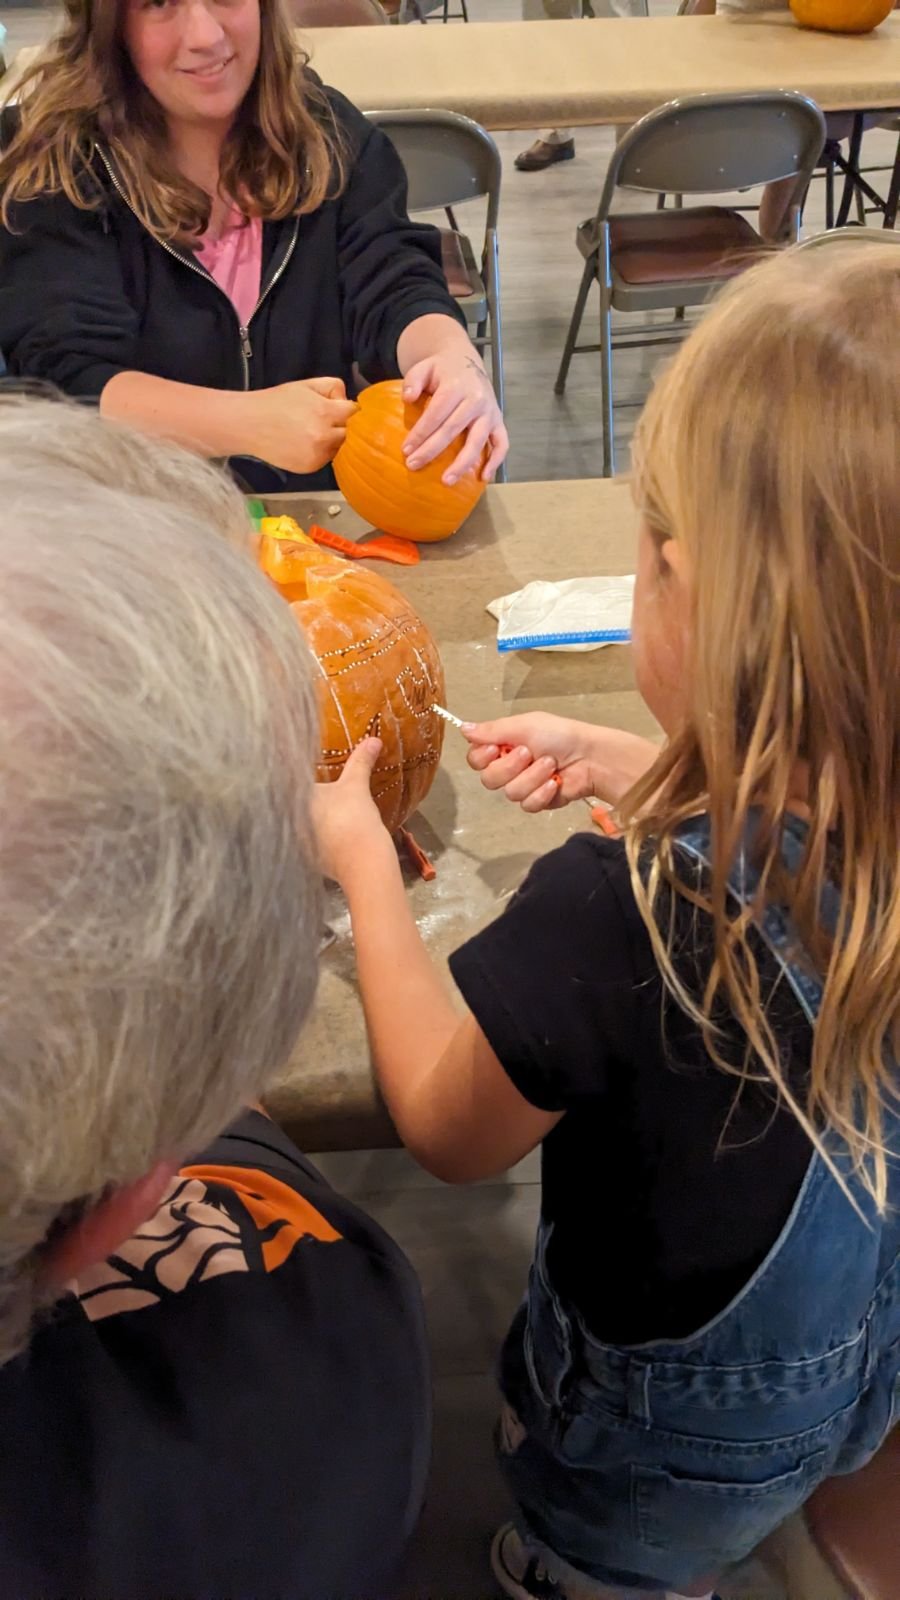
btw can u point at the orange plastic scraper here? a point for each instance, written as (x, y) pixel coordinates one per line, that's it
(383, 547)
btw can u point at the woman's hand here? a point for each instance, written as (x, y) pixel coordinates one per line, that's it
(347, 822)
(462, 401)
(297, 426)
(437, 358)
(540, 761)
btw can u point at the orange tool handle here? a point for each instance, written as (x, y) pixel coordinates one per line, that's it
(383, 548)
(602, 818)
(505, 750)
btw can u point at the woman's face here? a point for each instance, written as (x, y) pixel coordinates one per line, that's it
(196, 57)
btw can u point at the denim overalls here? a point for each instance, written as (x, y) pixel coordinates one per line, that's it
(658, 1465)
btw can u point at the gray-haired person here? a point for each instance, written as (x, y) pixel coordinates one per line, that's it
(213, 1380)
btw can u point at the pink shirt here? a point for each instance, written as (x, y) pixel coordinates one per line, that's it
(235, 261)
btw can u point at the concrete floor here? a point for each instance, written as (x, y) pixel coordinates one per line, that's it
(472, 1246)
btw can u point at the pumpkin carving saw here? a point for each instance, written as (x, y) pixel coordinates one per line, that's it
(379, 670)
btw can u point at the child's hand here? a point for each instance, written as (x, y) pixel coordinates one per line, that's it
(538, 760)
(347, 822)
(552, 760)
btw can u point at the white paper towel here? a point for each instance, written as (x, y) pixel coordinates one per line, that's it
(576, 614)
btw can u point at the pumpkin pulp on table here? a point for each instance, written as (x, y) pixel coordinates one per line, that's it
(373, 477)
(379, 669)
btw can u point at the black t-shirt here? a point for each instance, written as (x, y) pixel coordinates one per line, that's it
(234, 1407)
(666, 1182)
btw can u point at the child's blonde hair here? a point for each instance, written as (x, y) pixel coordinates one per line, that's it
(770, 449)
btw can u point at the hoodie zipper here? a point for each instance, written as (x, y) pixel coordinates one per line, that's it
(194, 266)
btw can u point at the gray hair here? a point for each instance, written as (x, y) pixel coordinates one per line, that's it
(159, 896)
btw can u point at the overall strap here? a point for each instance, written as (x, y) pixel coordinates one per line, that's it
(773, 923)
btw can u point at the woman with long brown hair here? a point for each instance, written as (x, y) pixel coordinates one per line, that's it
(198, 234)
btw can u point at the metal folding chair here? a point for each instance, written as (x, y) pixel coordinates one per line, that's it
(852, 235)
(450, 159)
(646, 261)
(844, 1544)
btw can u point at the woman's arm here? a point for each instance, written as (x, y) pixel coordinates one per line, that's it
(452, 1103)
(66, 319)
(295, 426)
(398, 311)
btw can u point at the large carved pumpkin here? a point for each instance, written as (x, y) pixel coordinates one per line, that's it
(373, 476)
(842, 16)
(379, 667)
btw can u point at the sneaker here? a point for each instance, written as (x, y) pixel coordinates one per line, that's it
(518, 1573)
(544, 153)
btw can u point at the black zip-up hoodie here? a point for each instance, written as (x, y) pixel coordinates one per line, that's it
(87, 294)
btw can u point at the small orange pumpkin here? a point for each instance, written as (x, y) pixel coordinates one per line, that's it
(373, 476)
(842, 16)
(380, 671)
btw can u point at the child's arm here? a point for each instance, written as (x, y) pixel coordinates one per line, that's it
(590, 761)
(451, 1101)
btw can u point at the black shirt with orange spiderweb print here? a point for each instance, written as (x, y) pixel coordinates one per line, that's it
(233, 1407)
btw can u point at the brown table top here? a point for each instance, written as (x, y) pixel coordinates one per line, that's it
(482, 846)
(609, 70)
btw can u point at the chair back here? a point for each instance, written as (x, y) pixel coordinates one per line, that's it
(448, 159)
(851, 236)
(336, 13)
(712, 144)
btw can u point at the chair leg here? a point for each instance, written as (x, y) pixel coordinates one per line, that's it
(490, 267)
(587, 278)
(853, 155)
(829, 194)
(606, 385)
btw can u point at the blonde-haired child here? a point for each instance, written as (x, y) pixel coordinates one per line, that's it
(700, 1022)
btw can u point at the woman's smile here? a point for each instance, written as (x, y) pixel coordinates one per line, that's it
(209, 72)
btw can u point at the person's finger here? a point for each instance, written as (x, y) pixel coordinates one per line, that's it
(545, 798)
(338, 411)
(416, 380)
(444, 436)
(481, 756)
(441, 405)
(503, 731)
(360, 763)
(535, 776)
(330, 388)
(471, 452)
(502, 771)
(500, 450)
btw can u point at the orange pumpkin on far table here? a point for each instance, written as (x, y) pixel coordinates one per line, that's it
(379, 667)
(842, 16)
(373, 476)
